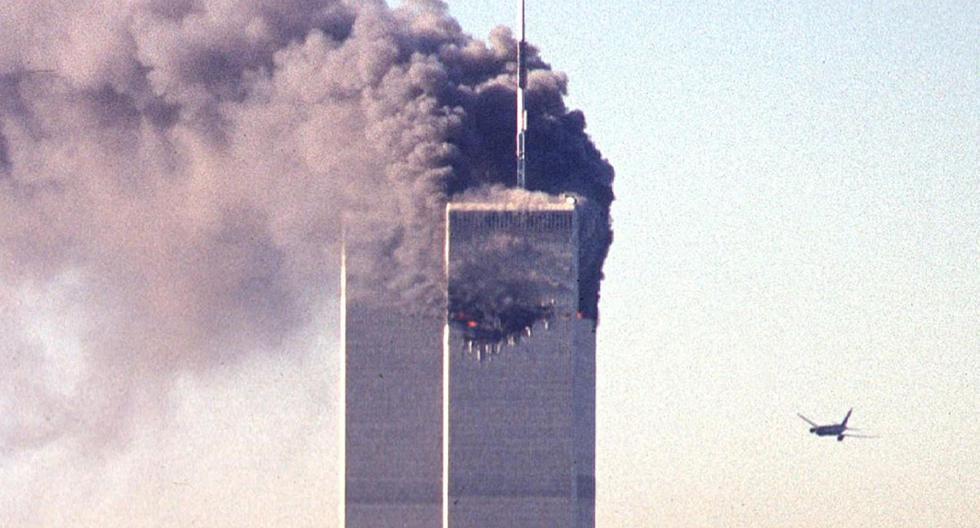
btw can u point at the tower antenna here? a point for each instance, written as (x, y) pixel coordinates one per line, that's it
(521, 110)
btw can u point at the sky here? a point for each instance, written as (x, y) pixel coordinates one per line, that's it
(797, 230)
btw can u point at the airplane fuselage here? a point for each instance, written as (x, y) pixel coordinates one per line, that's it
(838, 430)
(827, 430)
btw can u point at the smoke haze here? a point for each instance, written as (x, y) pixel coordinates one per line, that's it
(173, 176)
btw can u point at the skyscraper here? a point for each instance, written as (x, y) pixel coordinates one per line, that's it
(392, 399)
(519, 378)
(508, 397)
(484, 418)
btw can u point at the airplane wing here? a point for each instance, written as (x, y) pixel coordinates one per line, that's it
(860, 436)
(807, 420)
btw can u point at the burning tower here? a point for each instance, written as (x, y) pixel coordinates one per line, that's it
(482, 415)
(519, 385)
(519, 360)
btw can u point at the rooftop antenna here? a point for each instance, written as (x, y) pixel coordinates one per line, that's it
(521, 110)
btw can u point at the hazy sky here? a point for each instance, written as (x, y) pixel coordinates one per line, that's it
(797, 229)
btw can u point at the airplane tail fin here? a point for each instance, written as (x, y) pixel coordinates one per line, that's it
(844, 423)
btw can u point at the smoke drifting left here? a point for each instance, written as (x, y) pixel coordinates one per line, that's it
(175, 173)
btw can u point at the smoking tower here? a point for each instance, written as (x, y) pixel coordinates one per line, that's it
(519, 415)
(181, 171)
(482, 414)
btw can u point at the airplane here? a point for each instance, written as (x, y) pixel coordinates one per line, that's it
(838, 430)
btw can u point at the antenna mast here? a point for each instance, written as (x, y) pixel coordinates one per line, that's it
(521, 111)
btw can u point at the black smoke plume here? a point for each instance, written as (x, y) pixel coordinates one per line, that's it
(177, 172)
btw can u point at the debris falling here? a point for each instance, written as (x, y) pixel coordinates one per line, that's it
(513, 264)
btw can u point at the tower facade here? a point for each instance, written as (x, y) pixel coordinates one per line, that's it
(481, 416)
(519, 369)
(392, 400)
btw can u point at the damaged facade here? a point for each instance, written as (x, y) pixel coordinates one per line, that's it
(519, 390)
(483, 416)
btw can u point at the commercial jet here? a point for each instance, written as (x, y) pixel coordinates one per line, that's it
(838, 430)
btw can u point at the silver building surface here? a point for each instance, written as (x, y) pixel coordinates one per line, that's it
(392, 402)
(483, 415)
(519, 410)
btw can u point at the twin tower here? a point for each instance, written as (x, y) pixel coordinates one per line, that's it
(481, 415)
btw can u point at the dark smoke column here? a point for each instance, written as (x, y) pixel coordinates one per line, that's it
(469, 380)
(519, 415)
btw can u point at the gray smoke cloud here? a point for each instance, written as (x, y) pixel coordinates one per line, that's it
(178, 172)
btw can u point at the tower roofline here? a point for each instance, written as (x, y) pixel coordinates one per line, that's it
(559, 204)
